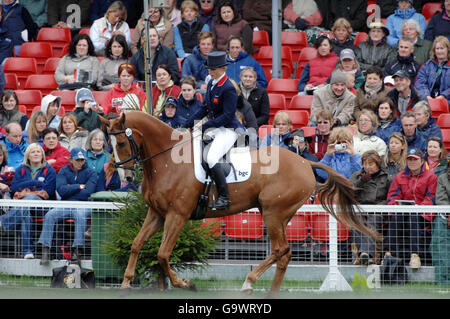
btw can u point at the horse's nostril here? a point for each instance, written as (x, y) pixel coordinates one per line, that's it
(129, 179)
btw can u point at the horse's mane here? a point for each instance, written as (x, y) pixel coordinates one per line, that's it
(138, 118)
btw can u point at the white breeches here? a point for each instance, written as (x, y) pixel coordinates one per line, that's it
(223, 140)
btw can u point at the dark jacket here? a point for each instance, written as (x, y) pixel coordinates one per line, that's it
(408, 64)
(186, 108)
(387, 128)
(173, 122)
(162, 55)
(245, 108)
(45, 179)
(416, 141)
(235, 67)
(355, 11)
(89, 121)
(369, 55)
(113, 184)
(259, 100)
(437, 25)
(338, 47)
(430, 129)
(18, 19)
(393, 95)
(194, 65)
(68, 183)
(373, 191)
(428, 77)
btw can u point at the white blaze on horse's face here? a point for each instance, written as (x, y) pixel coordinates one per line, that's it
(120, 170)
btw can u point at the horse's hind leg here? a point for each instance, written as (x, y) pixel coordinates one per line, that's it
(280, 254)
(151, 225)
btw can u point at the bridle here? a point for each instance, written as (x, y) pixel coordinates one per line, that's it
(135, 149)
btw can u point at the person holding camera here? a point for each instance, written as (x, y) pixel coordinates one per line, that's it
(340, 154)
(87, 110)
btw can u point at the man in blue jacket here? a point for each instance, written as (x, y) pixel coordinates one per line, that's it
(238, 59)
(15, 144)
(414, 138)
(74, 182)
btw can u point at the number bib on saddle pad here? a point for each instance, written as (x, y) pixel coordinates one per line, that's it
(240, 159)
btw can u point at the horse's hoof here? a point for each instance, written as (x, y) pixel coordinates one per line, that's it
(191, 286)
(124, 292)
(248, 291)
(247, 288)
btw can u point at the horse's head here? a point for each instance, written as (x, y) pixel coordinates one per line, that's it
(125, 144)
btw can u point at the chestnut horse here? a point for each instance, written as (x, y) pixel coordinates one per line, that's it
(171, 191)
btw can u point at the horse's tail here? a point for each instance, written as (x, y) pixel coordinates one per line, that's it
(339, 188)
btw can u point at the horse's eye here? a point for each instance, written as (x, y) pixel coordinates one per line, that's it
(121, 144)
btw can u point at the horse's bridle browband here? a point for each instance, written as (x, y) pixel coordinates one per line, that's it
(135, 149)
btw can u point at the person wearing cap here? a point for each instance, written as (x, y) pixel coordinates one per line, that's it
(334, 97)
(87, 110)
(220, 109)
(404, 11)
(349, 65)
(433, 79)
(404, 60)
(372, 186)
(169, 113)
(409, 129)
(34, 179)
(403, 95)
(318, 70)
(415, 183)
(375, 51)
(74, 182)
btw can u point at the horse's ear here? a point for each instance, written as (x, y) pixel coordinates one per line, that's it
(122, 118)
(103, 120)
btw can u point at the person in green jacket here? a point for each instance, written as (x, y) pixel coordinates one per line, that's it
(87, 110)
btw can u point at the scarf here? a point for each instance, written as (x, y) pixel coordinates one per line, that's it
(372, 90)
(246, 91)
(159, 107)
(304, 8)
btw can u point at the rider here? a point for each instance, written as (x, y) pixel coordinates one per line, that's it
(220, 108)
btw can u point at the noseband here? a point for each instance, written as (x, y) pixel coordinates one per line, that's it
(134, 149)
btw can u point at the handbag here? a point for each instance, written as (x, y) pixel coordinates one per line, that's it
(72, 276)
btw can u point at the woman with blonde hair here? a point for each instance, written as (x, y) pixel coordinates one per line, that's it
(394, 161)
(283, 126)
(114, 22)
(340, 154)
(342, 31)
(37, 125)
(365, 138)
(433, 78)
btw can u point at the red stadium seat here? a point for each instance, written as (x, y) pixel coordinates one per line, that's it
(446, 138)
(299, 118)
(85, 31)
(360, 37)
(320, 228)
(45, 83)
(29, 98)
(67, 99)
(429, 9)
(246, 225)
(296, 40)
(179, 65)
(41, 51)
(21, 67)
(265, 129)
(11, 81)
(309, 130)
(267, 68)
(443, 121)
(438, 106)
(57, 37)
(277, 103)
(23, 109)
(65, 50)
(265, 54)
(99, 96)
(287, 87)
(306, 55)
(260, 38)
(297, 228)
(50, 66)
(301, 102)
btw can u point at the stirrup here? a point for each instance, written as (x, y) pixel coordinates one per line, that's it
(220, 204)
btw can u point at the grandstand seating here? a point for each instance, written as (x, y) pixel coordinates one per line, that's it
(260, 38)
(84, 31)
(443, 121)
(23, 109)
(67, 99)
(267, 68)
(309, 130)
(99, 96)
(287, 87)
(301, 102)
(438, 106)
(21, 67)
(277, 103)
(446, 138)
(306, 55)
(299, 118)
(297, 227)
(45, 83)
(320, 228)
(265, 129)
(41, 51)
(296, 40)
(29, 98)
(50, 65)
(246, 225)
(265, 55)
(429, 9)
(360, 37)
(11, 81)
(57, 37)
(65, 50)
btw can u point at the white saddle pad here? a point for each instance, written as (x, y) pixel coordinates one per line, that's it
(239, 156)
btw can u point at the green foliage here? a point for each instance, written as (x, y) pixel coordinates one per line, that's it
(359, 283)
(190, 252)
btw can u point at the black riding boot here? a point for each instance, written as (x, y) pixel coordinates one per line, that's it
(223, 201)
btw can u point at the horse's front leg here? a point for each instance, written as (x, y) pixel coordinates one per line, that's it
(152, 223)
(172, 227)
